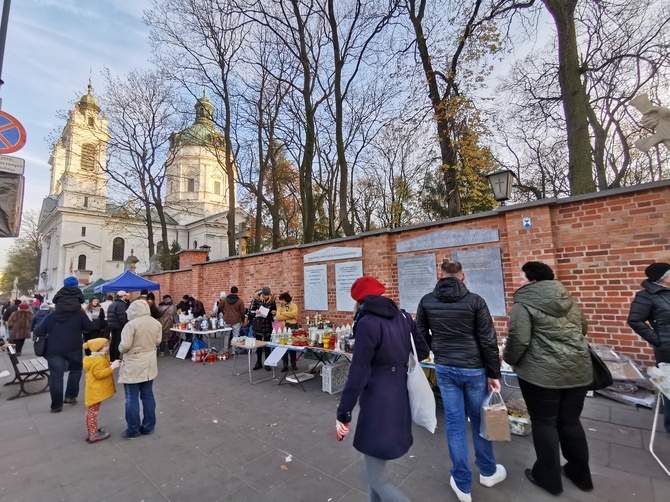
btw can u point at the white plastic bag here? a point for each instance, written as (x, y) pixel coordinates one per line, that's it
(421, 397)
(494, 422)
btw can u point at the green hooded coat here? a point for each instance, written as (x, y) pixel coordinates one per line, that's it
(547, 343)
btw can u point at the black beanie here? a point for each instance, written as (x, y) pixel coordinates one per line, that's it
(656, 271)
(538, 271)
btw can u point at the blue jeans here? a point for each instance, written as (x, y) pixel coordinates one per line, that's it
(58, 365)
(461, 387)
(135, 392)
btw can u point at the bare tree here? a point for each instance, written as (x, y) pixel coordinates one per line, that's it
(142, 110)
(200, 42)
(475, 37)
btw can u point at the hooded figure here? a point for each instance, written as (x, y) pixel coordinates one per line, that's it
(69, 298)
(139, 339)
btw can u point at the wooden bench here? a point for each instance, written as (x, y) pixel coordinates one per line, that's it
(27, 370)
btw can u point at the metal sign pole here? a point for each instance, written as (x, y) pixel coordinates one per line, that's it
(3, 36)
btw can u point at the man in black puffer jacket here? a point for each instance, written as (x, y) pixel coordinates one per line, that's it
(458, 327)
(116, 320)
(651, 306)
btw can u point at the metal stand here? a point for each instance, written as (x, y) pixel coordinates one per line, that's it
(653, 433)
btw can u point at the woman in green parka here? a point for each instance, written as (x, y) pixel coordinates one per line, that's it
(548, 348)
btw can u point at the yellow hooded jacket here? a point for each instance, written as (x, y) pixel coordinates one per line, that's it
(99, 379)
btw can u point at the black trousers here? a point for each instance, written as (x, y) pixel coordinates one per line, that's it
(114, 341)
(554, 414)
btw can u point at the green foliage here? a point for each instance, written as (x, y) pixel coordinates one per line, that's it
(23, 260)
(168, 258)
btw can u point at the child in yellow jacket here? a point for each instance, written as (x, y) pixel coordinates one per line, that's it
(99, 384)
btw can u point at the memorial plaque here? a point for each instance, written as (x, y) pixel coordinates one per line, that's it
(345, 275)
(483, 275)
(333, 253)
(316, 287)
(447, 239)
(416, 277)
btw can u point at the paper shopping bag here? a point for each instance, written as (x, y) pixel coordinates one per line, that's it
(494, 422)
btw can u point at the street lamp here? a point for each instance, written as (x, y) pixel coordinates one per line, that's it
(501, 184)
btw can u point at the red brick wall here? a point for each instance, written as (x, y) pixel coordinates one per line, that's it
(598, 246)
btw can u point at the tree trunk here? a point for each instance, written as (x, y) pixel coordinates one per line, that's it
(347, 227)
(447, 150)
(306, 189)
(573, 94)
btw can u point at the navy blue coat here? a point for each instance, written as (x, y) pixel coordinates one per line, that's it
(378, 374)
(38, 318)
(65, 331)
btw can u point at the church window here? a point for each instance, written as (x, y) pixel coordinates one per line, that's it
(117, 249)
(172, 187)
(195, 244)
(81, 262)
(83, 231)
(91, 121)
(217, 187)
(88, 157)
(85, 201)
(190, 185)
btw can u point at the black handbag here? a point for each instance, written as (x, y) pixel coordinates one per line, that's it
(40, 346)
(602, 378)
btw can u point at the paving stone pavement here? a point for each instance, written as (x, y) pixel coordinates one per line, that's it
(219, 438)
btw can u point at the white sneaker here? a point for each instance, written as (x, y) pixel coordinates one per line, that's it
(495, 478)
(462, 496)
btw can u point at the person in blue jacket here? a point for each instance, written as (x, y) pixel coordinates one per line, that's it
(378, 380)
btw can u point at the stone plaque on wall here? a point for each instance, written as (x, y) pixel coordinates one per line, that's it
(483, 275)
(447, 239)
(416, 276)
(316, 287)
(345, 275)
(333, 253)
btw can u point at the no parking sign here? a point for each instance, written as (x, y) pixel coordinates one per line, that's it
(12, 134)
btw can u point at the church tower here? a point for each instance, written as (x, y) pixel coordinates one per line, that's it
(197, 185)
(77, 162)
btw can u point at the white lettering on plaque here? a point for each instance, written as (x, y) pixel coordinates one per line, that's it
(345, 274)
(316, 287)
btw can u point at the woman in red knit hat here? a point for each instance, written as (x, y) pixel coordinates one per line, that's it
(378, 375)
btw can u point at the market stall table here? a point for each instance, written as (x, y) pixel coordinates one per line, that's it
(657, 384)
(323, 356)
(249, 349)
(209, 334)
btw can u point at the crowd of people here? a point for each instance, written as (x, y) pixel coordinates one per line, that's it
(546, 346)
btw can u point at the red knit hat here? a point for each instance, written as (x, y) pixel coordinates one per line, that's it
(24, 306)
(364, 286)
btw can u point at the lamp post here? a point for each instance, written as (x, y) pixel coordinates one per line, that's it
(501, 184)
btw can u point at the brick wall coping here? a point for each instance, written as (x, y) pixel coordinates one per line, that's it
(487, 214)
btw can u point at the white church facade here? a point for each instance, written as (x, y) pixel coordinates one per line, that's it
(81, 234)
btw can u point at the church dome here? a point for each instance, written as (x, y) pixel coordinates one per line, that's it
(203, 130)
(87, 101)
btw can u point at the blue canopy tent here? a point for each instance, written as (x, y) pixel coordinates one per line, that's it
(127, 281)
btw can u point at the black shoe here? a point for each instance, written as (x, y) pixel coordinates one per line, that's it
(284, 369)
(585, 487)
(294, 367)
(56, 410)
(529, 475)
(70, 400)
(258, 366)
(267, 368)
(125, 435)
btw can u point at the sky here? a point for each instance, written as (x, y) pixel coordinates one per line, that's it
(52, 48)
